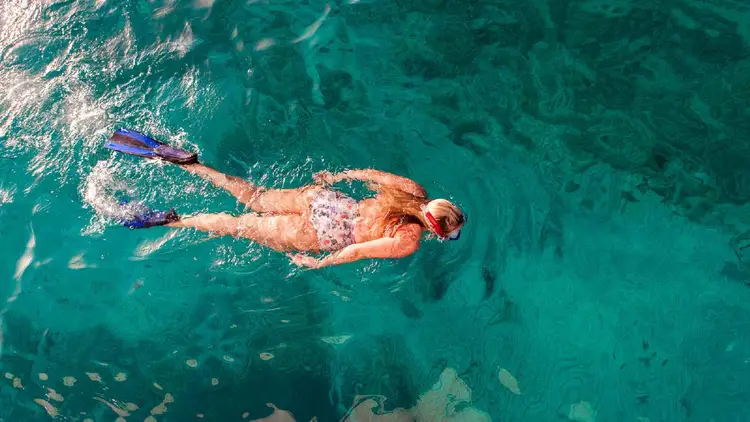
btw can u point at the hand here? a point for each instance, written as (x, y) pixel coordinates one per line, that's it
(325, 178)
(302, 260)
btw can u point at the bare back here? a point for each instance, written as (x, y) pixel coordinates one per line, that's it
(370, 213)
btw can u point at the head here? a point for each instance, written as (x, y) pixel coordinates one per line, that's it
(439, 216)
(443, 218)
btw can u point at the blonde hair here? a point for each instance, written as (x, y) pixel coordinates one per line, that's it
(402, 208)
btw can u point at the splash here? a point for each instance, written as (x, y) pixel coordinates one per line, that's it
(110, 197)
(6, 195)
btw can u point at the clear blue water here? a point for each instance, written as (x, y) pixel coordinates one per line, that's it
(600, 149)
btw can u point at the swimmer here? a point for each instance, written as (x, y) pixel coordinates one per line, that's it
(313, 218)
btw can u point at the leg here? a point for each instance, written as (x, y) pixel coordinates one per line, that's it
(259, 199)
(280, 232)
(240, 188)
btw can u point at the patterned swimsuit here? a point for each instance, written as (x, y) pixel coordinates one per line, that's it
(333, 217)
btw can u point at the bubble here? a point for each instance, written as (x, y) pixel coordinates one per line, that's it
(159, 410)
(17, 383)
(245, 415)
(228, 358)
(51, 410)
(54, 395)
(199, 416)
(191, 363)
(121, 377)
(88, 420)
(43, 376)
(69, 381)
(93, 376)
(168, 398)
(264, 44)
(449, 399)
(266, 356)
(509, 381)
(336, 339)
(157, 386)
(120, 411)
(77, 262)
(582, 412)
(9, 376)
(285, 321)
(214, 381)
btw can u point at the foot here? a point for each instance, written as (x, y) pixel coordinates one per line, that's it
(151, 219)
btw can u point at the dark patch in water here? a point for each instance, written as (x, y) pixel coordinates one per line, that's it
(489, 278)
(410, 310)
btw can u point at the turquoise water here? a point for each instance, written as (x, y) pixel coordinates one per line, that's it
(600, 149)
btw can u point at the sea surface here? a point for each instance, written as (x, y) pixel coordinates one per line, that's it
(600, 148)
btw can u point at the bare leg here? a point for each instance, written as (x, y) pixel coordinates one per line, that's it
(240, 188)
(280, 232)
(258, 198)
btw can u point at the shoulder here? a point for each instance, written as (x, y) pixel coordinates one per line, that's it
(407, 237)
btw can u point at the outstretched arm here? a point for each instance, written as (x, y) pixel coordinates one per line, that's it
(378, 177)
(396, 247)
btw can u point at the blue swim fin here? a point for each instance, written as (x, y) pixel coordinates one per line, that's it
(151, 218)
(134, 143)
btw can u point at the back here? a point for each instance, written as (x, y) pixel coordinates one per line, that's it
(369, 225)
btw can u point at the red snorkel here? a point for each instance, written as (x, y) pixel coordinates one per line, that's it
(435, 226)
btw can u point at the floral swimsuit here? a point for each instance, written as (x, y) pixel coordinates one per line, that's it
(333, 217)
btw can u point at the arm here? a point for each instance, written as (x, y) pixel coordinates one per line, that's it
(382, 178)
(387, 247)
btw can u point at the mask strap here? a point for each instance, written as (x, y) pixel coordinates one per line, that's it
(435, 226)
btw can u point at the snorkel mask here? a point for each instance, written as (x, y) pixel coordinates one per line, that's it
(454, 235)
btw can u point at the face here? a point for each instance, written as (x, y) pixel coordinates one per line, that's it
(455, 232)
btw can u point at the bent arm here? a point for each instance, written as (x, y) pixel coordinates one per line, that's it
(397, 247)
(385, 179)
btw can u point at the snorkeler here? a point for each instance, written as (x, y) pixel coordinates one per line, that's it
(312, 218)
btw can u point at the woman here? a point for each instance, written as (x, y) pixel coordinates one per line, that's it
(312, 218)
